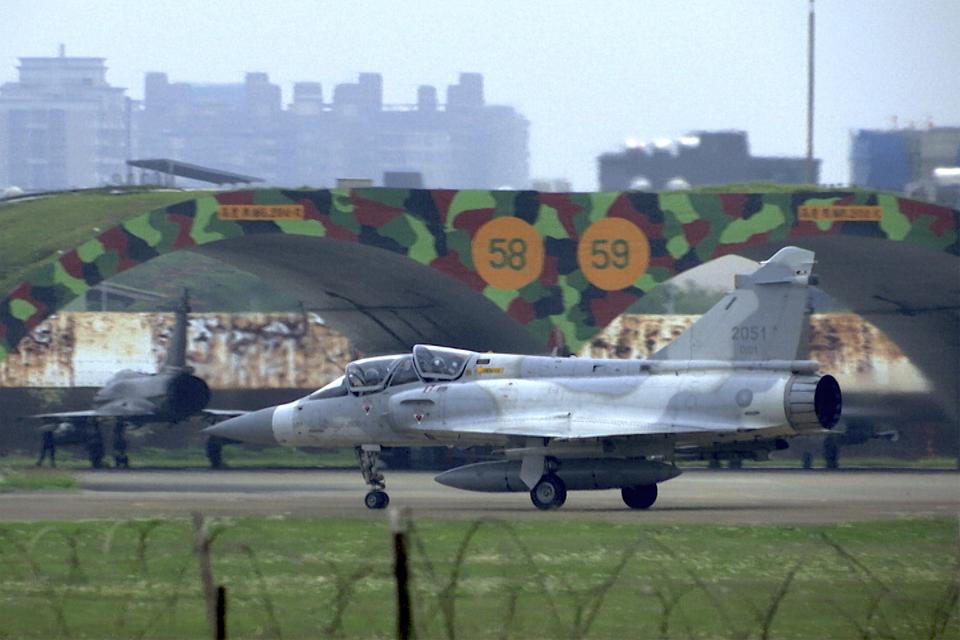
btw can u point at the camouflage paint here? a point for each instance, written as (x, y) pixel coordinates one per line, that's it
(435, 228)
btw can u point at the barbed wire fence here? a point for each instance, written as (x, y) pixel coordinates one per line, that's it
(432, 597)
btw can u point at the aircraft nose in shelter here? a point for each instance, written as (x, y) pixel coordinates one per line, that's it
(255, 427)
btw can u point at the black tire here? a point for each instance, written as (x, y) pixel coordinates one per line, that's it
(376, 499)
(735, 463)
(641, 497)
(549, 493)
(808, 460)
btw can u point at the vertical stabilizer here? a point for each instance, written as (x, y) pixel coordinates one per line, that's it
(177, 347)
(762, 318)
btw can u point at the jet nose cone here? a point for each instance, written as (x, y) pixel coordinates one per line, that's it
(255, 427)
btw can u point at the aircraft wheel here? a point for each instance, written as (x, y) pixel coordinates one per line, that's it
(808, 460)
(641, 497)
(376, 499)
(550, 493)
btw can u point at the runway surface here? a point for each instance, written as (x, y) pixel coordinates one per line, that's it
(723, 497)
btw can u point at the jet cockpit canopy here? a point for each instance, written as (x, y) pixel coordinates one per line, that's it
(370, 374)
(440, 363)
(332, 389)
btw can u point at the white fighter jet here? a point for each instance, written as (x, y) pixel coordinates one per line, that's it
(730, 387)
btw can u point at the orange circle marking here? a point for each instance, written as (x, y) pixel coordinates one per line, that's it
(507, 253)
(613, 253)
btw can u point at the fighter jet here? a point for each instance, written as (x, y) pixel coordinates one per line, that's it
(729, 387)
(133, 398)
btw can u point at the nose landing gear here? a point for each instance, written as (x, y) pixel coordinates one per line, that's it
(369, 457)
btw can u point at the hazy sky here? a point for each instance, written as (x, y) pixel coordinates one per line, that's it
(588, 75)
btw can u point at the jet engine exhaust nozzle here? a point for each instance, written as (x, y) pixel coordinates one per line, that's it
(186, 395)
(813, 403)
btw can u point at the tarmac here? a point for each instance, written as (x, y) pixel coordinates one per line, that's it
(697, 496)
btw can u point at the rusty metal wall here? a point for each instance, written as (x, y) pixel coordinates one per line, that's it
(264, 351)
(844, 344)
(230, 351)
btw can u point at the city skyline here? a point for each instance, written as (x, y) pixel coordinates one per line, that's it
(587, 81)
(63, 125)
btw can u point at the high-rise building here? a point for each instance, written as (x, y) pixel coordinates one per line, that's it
(237, 127)
(353, 134)
(699, 158)
(906, 161)
(62, 125)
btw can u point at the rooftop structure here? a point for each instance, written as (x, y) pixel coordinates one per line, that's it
(172, 168)
(314, 141)
(62, 125)
(909, 161)
(699, 158)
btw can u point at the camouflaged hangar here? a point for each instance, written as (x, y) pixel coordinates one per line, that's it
(528, 271)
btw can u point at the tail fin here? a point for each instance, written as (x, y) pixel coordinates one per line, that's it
(762, 318)
(177, 347)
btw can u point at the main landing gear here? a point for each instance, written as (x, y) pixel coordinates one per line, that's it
(369, 458)
(549, 493)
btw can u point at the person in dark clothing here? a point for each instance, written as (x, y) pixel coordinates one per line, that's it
(120, 459)
(47, 445)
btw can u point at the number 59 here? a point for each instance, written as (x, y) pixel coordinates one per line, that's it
(616, 255)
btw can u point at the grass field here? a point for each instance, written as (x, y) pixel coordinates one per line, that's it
(30, 479)
(74, 458)
(317, 578)
(239, 457)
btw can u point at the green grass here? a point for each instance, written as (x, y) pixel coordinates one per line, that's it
(28, 479)
(74, 457)
(846, 462)
(555, 578)
(33, 231)
(240, 456)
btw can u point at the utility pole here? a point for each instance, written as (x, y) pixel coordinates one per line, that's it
(810, 49)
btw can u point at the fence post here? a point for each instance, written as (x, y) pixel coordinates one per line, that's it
(221, 612)
(201, 542)
(401, 572)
